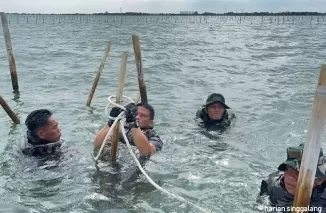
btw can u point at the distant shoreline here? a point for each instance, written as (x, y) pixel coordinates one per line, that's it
(184, 14)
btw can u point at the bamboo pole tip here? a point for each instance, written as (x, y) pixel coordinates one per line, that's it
(124, 54)
(135, 37)
(322, 76)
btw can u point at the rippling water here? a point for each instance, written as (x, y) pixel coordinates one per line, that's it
(267, 72)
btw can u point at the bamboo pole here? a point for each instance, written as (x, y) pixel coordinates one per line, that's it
(10, 54)
(122, 76)
(98, 75)
(10, 113)
(312, 144)
(140, 71)
(115, 137)
(137, 99)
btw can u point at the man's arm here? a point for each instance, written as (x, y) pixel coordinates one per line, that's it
(142, 143)
(100, 136)
(115, 111)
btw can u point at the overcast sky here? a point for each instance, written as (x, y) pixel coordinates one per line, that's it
(156, 6)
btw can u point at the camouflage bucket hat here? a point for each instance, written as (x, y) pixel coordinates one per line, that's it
(294, 156)
(216, 97)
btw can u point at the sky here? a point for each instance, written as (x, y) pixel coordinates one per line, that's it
(159, 6)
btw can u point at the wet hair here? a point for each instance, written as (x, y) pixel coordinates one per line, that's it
(36, 119)
(149, 108)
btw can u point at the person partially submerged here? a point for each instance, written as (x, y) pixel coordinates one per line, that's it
(280, 186)
(139, 129)
(43, 134)
(214, 113)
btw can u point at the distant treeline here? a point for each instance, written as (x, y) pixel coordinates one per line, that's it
(193, 14)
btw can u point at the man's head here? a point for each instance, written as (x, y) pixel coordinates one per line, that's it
(291, 168)
(145, 115)
(43, 125)
(215, 106)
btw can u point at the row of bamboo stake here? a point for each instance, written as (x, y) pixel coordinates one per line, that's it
(14, 77)
(157, 18)
(315, 129)
(119, 95)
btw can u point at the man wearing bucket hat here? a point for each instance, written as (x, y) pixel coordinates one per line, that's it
(214, 113)
(280, 186)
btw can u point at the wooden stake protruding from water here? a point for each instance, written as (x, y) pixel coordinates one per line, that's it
(312, 144)
(140, 70)
(121, 83)
(10, 54)
(98, 75)
(11, 114)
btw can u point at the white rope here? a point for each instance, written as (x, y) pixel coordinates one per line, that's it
(150, 180)
(111, 102)
(110, 132)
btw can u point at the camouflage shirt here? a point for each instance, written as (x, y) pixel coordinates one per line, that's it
(150, 134)
(274, 189)
(204, 120)
(39, 147)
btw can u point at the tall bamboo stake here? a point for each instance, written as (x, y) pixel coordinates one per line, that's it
(10, 54)
(140, 70)
(98, 75)
(312, 144)
(115, 137)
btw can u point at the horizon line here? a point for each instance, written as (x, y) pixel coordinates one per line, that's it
(181, 13)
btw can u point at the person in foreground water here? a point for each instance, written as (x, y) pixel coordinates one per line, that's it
(280, 186)
(43, 134)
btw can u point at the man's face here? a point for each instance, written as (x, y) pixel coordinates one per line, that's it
(51, 131)
(291, 179)
(215, 111)
(143, 117)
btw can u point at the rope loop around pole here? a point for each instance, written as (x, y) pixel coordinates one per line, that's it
(121, 117)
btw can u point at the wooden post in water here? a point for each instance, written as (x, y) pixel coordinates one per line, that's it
(11, 114)
(98, 75)
(140, 70)
(115, 137)
(312, 144)
(10, 54)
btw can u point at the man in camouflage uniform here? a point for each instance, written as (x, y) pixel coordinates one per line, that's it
(138, 127)
(214, 114)
(280, 186)
(43, 134)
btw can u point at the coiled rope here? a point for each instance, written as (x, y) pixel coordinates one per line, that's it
(121, 117)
